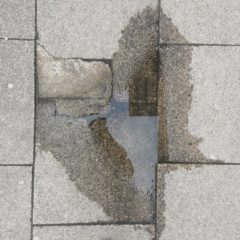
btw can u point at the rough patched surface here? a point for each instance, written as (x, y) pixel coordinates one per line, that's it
(94, 165)
(84, 107)
(15, 202)
(80, 87)
(198, 202)
(16, 101)
(202, 21)
(72, 78)
(17, 18)
(95, 26)
(127, 232)
(202, 103)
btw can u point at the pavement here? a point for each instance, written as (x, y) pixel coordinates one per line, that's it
(119, 120)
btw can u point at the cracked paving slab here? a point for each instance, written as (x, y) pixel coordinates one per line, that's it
(113, 232)
(15, 202)
(16, 102)
(205, 22)
(198, 202)
(102, 18)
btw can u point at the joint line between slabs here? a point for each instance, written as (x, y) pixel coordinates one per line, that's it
(199, 44)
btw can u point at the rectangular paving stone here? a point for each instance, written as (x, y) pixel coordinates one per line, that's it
(16, 101)
(15, 203)
(200, 106)
(95, 25)
(94, 169)
(198, 202)
(17, 19)
(127, 232)
(193, 21)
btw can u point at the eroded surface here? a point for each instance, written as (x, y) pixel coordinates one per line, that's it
(111, 232)
(72, 78)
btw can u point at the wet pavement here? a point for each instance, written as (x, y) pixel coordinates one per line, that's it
(106, 158)
(119, 120)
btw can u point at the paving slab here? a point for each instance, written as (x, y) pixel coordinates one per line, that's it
(114, 232)
(94, 169)
(15, 203)
(198, 202)
(17, 19)
(201, 103)
(85, 29)
(205, 22)
(16, 102)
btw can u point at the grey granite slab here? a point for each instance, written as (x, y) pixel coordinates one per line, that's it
(205, 22)
(198, 202)
(15, 203)
(16, 101)
(17, 19)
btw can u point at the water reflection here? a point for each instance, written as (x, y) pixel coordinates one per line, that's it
(138, 135)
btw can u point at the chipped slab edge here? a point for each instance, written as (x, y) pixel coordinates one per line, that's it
(118, 232)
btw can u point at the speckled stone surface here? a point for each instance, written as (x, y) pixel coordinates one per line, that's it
(17, 19)
(15, 202)
(198, 202)
(208, 22)
(95, 25)
(16, 101)
(201, 90)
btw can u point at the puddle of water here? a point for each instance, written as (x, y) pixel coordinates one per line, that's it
(138, 135)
